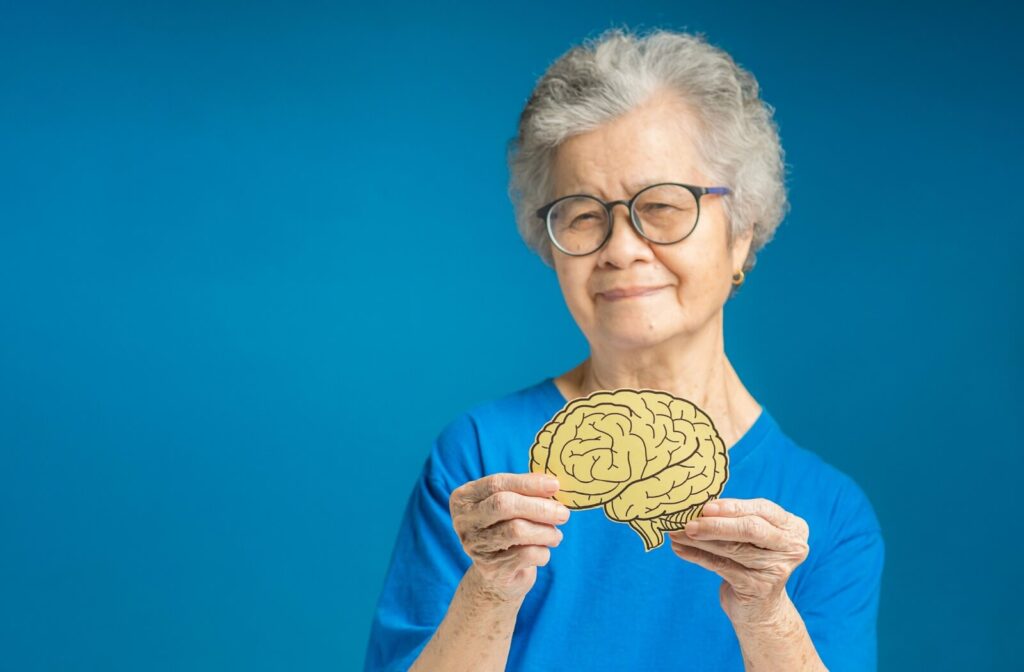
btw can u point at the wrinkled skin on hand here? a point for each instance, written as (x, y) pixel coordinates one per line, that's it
(754, 545)
(507, 525)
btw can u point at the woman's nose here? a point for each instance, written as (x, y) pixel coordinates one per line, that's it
(624, 242)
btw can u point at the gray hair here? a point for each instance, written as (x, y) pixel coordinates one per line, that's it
(609, 75)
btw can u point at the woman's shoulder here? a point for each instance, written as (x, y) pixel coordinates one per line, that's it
(518, 406)
(482, 438)
(847, 547)
(826, 491)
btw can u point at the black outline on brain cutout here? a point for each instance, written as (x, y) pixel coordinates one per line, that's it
(650, 459)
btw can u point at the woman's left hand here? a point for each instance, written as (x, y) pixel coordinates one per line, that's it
(754, 545)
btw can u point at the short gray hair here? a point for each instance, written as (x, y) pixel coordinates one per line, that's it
(609, 75)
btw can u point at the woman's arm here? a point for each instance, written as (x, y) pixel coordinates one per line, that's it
(475, 634)
(507, 525)
(754, 545)
(779, 642)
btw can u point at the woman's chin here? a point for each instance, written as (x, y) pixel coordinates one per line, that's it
(633, 335)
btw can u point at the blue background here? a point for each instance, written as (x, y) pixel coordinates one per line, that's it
(254, 256)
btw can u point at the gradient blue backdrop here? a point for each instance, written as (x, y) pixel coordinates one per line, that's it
(253, 256)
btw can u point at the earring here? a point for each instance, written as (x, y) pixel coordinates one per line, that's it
(738, 278)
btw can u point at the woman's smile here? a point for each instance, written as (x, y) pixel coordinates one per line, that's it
(624, 294)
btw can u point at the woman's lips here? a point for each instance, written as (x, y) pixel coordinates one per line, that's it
(622, 294)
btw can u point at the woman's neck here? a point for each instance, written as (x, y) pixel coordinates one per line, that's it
(699, 373)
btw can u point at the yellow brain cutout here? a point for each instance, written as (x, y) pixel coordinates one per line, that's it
(651, 459)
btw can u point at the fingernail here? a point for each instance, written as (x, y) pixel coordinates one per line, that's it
(551, 483)
(692, 528)
(563, 514)
(710, 507)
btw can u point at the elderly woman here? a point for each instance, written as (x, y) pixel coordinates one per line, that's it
(648, 173)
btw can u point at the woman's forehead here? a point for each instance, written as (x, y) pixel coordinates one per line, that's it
(650, 144)
(615, 178)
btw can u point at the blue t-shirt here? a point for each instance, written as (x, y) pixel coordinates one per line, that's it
(602, 602)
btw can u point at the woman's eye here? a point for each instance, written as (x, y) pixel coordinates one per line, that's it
(584, 220)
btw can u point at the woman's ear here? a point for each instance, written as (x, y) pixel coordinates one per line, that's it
(741, 248)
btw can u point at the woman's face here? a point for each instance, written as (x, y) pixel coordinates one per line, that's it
(652, 143)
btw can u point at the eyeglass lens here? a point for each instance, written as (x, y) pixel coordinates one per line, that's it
(665, 213)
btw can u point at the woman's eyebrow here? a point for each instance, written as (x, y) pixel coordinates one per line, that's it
(634, 187)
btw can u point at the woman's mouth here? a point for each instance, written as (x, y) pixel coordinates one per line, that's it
(629, 293)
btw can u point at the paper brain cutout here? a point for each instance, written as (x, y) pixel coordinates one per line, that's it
(651, 459)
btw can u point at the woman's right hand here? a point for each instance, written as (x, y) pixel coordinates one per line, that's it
(506, 523)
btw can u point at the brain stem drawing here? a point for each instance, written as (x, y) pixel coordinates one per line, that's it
(650, 459)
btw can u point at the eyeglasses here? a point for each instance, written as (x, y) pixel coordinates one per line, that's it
(663, 213)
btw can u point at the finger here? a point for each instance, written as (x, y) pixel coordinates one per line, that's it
(731, 507)
(515, 532)
(506, 505)
(749, 529)
(534, 485)
(747, 555)
(727, 568)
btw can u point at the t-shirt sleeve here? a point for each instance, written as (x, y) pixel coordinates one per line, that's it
(839, 598)
(427, 561)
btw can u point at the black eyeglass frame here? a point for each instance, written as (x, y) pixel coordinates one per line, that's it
(545, 213)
